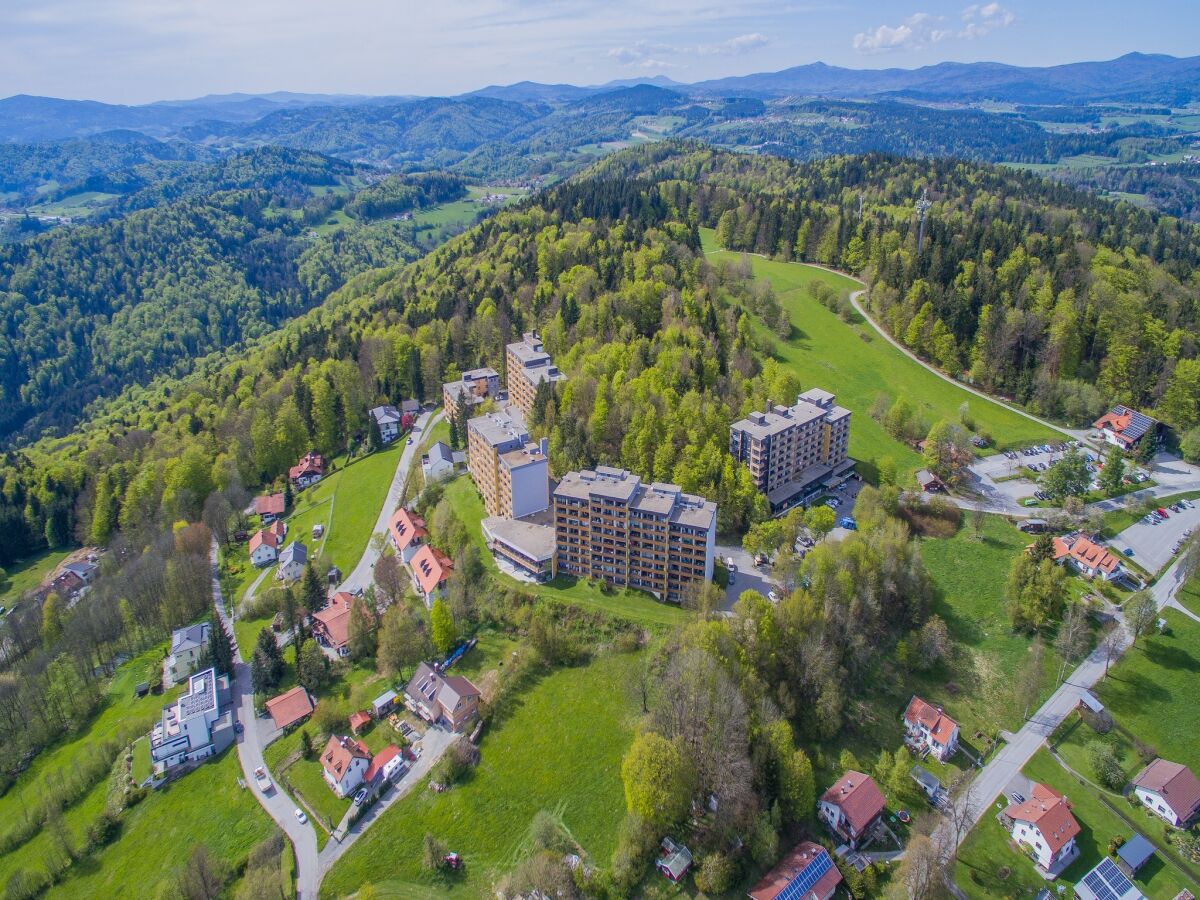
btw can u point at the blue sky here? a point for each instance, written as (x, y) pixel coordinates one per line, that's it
(134, 51)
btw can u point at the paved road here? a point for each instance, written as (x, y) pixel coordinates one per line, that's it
(363, 575)
(994, 777)
(250, 745)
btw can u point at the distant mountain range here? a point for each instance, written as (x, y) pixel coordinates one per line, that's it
(1135, 77)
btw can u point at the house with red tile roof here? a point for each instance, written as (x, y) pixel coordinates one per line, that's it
(929, 730)
(263, 547)
(806, 873)
(1169, 790)
(431, 570)
(385, 766)
(1127, 428)
(331, 625)
(407, 531)
(269, 507)
(1086, 557)
(852, 807)
(308, 471)
(358, 721)
(345, 761)
(290, 708)
(1045, 827)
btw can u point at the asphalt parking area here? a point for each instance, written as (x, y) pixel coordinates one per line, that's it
(1152, 545)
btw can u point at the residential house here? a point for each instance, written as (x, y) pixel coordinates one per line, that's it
(1169, 790)
(1106, 881)
(386, 767)
(187, 649)
(526, 546)
(345, 761)
(438, 463)
(475, 386)
(528, 365)
(389, 419)
(929, 730)
(431, 568)
(263, 547)
(290, 708)
(410, 408)
(929, 482)
(1086, 557)
(269, 508)
(292, 561)
(199, 724)
(794, 452)
(806, 873)
(447, 700)
(511, 472)
(331, 625)
(308, 471)
(1045, 827)
(407, 532)
(84, 570)
(674, 859)
(852, 808)
(609, 526)
(1127, 428)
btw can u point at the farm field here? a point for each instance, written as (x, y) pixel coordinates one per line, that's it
(986, 854)
(858, 365)
(632, 605)
(77, 206)
(28, 574)
(538, 758)
(449, 218)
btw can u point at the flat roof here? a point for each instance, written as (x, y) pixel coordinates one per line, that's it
(528, 538)
(499, 428)
(524, 456)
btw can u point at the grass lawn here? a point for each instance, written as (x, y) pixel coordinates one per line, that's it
(307, 777)
(205, 806)
(560, 750)
(632, 605)
(141, 760)
(858, 365)
(28, 574)
(359, 498)
(1189, 595)
(986, 851)
(1151, 692)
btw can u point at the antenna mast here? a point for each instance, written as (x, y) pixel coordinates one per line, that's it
(923, 206)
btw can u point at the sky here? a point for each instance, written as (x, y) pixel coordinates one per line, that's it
(138, 51)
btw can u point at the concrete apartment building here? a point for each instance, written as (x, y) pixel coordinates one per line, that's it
(528, 365)
(609, 525)
(511, 472)
(197, 725)
(794, 451)
(475, 386)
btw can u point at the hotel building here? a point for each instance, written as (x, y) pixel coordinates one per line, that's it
(528, 365)
(511, 472)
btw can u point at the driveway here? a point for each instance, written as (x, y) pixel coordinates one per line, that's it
(363, 575)
(250, 745)
(1153, 545)
(747, 577)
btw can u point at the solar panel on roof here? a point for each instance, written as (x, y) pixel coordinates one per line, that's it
(1098, 887)
(803, 883)
(1114, 876)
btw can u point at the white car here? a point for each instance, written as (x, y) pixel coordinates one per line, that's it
(772, 596)
(301, 817)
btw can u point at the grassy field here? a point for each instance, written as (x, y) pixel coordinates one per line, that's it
(858, 365)
(359, 498)
(987, 853)
(441, 222)
(142, 766)
(77, 206)
(28, 574)
(538, 758)
(1151, 691)
(206, 806)
(633, 605)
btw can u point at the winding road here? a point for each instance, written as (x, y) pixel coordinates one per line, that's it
(257, 732)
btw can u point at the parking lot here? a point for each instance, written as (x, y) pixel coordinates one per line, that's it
(744, 575)
(1001, 465)
(1153, 545)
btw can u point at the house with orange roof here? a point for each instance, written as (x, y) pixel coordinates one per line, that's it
(407, 531)
(1045, 827)
(431, 569)
(1127, 428)
(807, 872)
(269, 507)
(386, 766)
(345, 761)
(263, 547)
(308, 471)
(331, 625)
(1087, 557)
(290, 708)
(359, 720)
(929, 730)
(852, 808)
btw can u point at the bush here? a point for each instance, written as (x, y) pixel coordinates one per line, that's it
(433, 853)
(716, 874)
(636, 843)
(1105, 765)
(454, 765)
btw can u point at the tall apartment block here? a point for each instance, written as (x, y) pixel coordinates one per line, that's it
(475, 386)
(511, 472)
(794, 451)
(528, 365)
(610, 526)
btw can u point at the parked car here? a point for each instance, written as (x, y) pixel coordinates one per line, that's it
(263, 780)
(301, 817)
(848, 523)
(1016, 798)
(1162, 512)
(772, 596)
(359, 796)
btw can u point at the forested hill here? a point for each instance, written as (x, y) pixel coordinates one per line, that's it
(221, 253)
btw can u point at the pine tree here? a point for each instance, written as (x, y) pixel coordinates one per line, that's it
(312, 592)
(374, 436)
(219, 651)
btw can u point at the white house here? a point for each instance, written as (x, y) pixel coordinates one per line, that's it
(193, 727)
(264, 547)
(388, 418)
(851, 807)
(292, 561)
(407, 531)
(345, 762)
(438, 463)
(928, 729)
(1169, 790)
(187, 648)
(1044, 826)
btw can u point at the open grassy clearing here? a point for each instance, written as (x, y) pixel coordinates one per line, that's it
(206, 806)
(560, 750)
(632, 605)
(986, 855)
(77, 206)
(358, 499)
(28, 574)
(858, 365)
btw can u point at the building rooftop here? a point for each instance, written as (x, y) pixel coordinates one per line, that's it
(201, 696)
(386, 415)
(501, 429)
(810, 406)
(807, 871)
(1106, 882)
(603, 481)
(529, 350)
(290, 707)
(293, 552)
(528, 455)
(441, 451)
(858, 797)
(1049, 812)
(189, 638)
(1135, 852)
(936, 722)
(270, 505)
(528, 538)
(1174, 782)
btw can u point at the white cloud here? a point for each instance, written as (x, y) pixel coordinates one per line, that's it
(735, 46)
(917, 32)
(921, 30)
(650, 55)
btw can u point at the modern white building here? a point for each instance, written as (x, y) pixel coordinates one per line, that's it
(194, 726)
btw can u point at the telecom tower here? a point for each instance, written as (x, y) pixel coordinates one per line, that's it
(923, 206)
